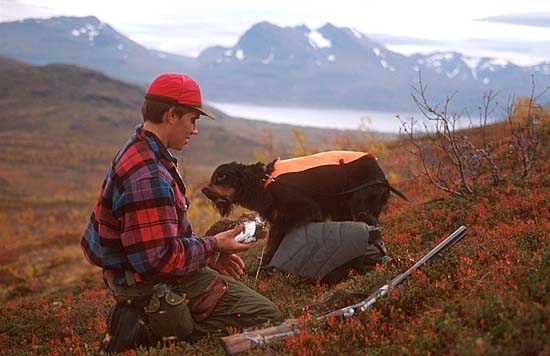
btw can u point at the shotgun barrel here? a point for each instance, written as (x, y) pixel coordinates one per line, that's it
(382, 291)
(247, 340)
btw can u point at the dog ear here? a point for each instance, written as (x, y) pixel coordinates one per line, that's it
(251, 192)
(252, 175)
(270, 167)
(258, 169)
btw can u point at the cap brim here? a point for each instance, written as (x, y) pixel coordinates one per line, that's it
(205, 111)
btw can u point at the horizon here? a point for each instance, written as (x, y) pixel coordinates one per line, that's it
(190, 30)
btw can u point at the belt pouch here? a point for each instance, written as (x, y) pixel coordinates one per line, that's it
(169, 315)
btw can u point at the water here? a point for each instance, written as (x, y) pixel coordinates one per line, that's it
(381, 121)
(325, 118)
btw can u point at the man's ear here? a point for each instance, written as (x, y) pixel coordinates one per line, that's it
(170, 115)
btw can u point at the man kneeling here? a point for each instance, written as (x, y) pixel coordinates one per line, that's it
(164, 278)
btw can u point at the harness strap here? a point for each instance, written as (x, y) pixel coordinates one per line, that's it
(130, 279)
(364, 185)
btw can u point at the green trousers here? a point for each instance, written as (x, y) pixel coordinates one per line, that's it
(239, 306)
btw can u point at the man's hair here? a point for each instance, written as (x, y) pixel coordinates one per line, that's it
(153, 110)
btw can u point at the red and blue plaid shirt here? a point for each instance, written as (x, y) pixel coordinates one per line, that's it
(139, 223)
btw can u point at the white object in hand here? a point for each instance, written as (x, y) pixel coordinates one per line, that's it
(247, 235)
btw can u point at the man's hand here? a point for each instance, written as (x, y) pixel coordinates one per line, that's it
(229, 264)
(226, 242)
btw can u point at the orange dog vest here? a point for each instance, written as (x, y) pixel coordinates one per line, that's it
(300, 164)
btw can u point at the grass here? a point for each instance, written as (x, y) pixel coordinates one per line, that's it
(488, 295)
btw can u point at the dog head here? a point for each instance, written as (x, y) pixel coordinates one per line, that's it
(234, 183)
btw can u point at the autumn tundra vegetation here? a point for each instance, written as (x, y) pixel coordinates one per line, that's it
(488, 295)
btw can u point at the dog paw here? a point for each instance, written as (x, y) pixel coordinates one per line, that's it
(263, 272)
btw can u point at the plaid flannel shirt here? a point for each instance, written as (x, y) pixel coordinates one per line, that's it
(139, 223)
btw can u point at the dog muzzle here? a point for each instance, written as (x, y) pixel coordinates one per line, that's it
(222, 204)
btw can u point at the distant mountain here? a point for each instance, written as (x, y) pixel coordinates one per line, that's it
(487, 73)
(330, 66)
(11, 64)
(84, 41)
(65, 99)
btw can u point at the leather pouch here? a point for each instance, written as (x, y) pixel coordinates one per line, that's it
(209, 298)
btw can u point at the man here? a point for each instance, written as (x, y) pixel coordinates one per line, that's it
(140, 235)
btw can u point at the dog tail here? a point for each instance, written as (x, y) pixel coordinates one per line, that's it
(399, 194)
(403, 196)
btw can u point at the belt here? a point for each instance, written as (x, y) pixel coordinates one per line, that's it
(143, 290)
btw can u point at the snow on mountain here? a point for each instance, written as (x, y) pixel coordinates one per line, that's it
(466, 68)
(317, 40)
(489, 73)
(543, 68)
(88, 30)
(492, 64)
(449, 64)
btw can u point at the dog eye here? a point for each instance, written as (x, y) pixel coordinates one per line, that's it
(218, 178)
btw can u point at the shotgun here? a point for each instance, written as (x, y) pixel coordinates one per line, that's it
(247, 340)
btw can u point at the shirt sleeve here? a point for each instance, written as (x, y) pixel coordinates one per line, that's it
(149, 235)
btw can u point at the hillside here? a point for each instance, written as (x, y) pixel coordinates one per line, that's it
(11, 64)
(488, 295)
(89, 114)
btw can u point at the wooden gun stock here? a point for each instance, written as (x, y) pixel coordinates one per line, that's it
(247, 340)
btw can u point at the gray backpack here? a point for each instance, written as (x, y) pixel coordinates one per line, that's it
(326, 251)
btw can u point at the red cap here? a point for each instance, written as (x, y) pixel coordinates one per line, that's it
(176, 88)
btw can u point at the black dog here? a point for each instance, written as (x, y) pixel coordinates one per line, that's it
(335, 185)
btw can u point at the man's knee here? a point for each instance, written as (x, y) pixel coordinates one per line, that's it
(252, 307)
(272, 313)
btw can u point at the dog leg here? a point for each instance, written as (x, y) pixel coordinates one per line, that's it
(378, 252)
(273, 241)
(367, 217)
(297, 213)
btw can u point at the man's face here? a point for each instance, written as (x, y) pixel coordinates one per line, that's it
(183, 128)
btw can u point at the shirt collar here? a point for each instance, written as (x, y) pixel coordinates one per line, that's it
(155, 143)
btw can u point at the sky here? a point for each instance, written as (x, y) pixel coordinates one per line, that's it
(404, 26)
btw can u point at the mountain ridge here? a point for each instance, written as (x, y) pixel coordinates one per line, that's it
(328, 67)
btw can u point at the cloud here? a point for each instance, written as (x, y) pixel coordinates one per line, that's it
(188, 38)
(526, 19)
(12, 10)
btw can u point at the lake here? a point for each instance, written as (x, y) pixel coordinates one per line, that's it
(381, 121)
(324, 118)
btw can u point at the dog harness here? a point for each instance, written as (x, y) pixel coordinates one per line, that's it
(300, 164)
